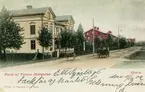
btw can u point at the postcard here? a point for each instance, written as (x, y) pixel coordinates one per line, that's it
(72, 46)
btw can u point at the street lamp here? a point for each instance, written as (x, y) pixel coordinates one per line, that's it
(118, 39)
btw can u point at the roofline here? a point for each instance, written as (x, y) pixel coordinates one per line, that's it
(61, 20)
(100, 32)
(27, 15)
(95, 30)
(49, 8)
(59, 24)
(67, 19)
(72, 18)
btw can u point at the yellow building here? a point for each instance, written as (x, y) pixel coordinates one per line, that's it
(32, 19)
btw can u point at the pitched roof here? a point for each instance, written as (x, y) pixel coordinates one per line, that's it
(63, 18)
(57, 23)
(99, 32)
(31, 11)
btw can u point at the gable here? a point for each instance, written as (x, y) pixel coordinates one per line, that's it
(49, 15)
(71, 21)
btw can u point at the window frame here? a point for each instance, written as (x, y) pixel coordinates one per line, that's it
(33, 44)
(32, 31)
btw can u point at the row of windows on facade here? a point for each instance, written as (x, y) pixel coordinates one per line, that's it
(33, 29)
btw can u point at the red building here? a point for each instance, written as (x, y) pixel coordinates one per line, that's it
(97, 33)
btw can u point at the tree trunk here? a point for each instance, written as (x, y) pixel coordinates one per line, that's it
(43, 53)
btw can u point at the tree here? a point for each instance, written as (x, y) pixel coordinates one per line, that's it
(122, 42)
(115, 43)
(88, 46)
(10, 32)
(45, 38)
(104, 43)
(80, 28)
(97, 41)
(110, 40)
(72, 39)
(80, 38)
(68, 39)
(64, 39)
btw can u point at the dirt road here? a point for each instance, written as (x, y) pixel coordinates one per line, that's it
(86, 61)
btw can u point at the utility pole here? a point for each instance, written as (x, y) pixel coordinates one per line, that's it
(118, 38)
(93, 38)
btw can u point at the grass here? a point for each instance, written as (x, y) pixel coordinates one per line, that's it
(135, 60)
(139, 55)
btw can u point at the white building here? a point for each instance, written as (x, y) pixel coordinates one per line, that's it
(32, 19)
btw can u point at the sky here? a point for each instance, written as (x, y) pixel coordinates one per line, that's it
(127, 15)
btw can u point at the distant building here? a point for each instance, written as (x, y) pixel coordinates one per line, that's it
(32, 19)
(131, 39)
(97, 33)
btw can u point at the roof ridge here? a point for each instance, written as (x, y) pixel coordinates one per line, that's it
(30, 9)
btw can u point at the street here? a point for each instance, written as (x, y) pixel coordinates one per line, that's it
(85, 61)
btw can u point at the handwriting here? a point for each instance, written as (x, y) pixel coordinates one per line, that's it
(88, 76)
(77, 72)
(32, 81)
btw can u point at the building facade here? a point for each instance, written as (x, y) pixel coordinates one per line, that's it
(97, 33)
(33, 19)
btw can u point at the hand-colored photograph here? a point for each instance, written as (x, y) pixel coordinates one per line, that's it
(71, 34)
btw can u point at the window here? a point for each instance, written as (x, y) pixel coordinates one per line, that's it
(33, 44)
(57, 31)
(50, 28)
(46, 26)
(87, 33)
(32, 29)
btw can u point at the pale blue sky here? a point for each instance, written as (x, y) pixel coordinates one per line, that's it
(108, 14)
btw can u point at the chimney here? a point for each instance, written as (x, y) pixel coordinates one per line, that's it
(29, 6)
